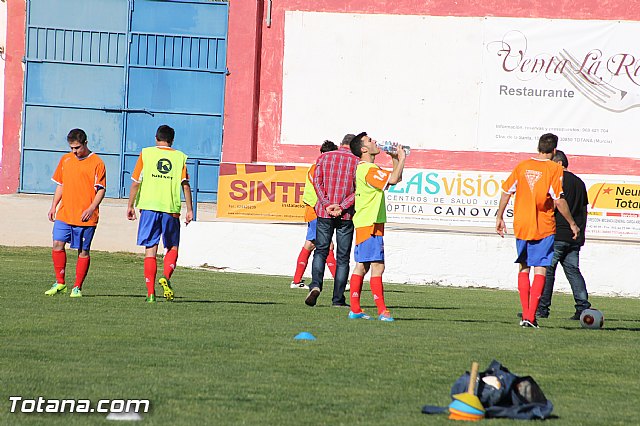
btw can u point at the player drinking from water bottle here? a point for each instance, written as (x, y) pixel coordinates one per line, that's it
(369, 220)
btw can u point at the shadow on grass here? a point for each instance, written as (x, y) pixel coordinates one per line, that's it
(430, 308)
(622, 320)
(181, 300)
(236, 302)
(135, 296)
(602, 329)
(455, 320)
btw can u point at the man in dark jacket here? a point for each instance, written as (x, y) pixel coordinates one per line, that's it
(566, 250)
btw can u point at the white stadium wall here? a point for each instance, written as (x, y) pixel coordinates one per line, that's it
(413, 256)
(463, 83)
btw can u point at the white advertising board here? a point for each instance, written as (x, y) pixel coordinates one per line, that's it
(470, 198)
(577, 79)
(447, 197)
(462, 84)
(394, 76)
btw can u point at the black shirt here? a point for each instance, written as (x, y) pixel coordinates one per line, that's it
(575, 193)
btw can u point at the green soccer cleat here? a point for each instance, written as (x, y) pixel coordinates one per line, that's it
(76, 292)
(150, 298)
(55, 289)
(166, 287)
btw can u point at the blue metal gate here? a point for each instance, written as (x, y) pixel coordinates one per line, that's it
(118, 69)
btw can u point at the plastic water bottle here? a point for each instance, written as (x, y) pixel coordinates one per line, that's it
(389, 146)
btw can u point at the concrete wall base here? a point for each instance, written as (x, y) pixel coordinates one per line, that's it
(414, 256)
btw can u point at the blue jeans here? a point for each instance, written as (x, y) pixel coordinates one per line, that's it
(568, 255)
(344, 238)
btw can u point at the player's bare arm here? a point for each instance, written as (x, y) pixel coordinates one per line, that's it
(186, 189)
(133, 192)
(563, 208)
(398, 158)
(501, 227)
(86, 215)
(57, 196)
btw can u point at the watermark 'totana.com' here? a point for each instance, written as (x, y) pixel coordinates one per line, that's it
(41, 405)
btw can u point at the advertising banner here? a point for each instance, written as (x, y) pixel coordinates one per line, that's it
(470, 198)
(614, 206)
(261, 192)
(579, 79)
(448, 198)
(425, 196)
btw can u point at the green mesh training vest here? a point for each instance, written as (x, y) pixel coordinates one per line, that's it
(161, 180)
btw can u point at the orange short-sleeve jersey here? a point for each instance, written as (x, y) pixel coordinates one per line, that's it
(378, 178)
(80, 180)
(536, 184)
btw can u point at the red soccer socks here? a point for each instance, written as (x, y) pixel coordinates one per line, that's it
(59, 263)
(523, 289)
(331, 263)
(301, 265)
(150, 266)
(354, 294)
(378, 293)
(170, 260)
(530, 294)
(534, 296)
(82, 267)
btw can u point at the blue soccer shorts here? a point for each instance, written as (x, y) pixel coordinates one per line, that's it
(78, 236)
(535, 252)
(370, 250)
(311, 230)
(154, 224)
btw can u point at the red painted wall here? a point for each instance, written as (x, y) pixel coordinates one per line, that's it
(13, 86)
(243, 82)
(269, 107)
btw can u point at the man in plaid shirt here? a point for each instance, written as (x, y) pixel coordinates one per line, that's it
(334, 182)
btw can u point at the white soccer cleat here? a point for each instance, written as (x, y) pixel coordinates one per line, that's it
(301, 284)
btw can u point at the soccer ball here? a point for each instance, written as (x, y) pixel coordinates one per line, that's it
(591, 318)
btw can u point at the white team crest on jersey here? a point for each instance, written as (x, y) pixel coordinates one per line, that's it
(532, 176)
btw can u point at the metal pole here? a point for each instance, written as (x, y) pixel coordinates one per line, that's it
(194, 189)
(269, 4)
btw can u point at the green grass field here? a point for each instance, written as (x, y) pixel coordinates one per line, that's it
(224, 353)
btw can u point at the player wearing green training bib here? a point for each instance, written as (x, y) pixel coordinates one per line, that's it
(369, 220)
(158, 176)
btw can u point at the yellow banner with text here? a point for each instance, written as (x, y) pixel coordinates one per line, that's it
(261, 192)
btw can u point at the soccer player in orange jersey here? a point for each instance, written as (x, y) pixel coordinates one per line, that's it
(537, 185)
(310, 198)
(81, 181)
